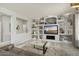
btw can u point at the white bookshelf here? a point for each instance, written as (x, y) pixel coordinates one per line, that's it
(61, 23)
(41, 28)
(67, 28)
(34, 29)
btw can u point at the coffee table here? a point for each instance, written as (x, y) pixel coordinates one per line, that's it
(40, 44)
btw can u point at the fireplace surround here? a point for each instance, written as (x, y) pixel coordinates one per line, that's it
(49, 37)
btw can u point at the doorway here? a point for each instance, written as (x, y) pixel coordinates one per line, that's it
(5, 28)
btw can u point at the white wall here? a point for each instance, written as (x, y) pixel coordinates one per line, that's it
(15, 38)
(0, 28)
(13, 29)
(20, 37)
(77, 30)
(29, 26)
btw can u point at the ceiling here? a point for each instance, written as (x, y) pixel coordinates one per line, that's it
(37, 10)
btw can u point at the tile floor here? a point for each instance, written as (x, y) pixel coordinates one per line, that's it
(54, 49)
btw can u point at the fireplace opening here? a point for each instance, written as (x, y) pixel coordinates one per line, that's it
(50, 37)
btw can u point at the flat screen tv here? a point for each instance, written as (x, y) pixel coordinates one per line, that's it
(51, 29)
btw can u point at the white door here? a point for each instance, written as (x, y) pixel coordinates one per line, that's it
(6, 28)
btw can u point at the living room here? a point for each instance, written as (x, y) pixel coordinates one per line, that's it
(39, 29)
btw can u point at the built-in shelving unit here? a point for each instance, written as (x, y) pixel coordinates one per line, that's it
(41, 28)
(66, 28)
(62, 28)
(34, 29)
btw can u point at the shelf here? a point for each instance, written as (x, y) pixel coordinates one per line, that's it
(34, 26)
(50, 24)
(60, 20)
(41, 25)
(33, 23)
(34, 34)
(34, 29)
(40, 29)
(41, 34)
(64, 34)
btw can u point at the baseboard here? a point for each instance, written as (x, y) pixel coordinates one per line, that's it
(20, 43)
(5, 43)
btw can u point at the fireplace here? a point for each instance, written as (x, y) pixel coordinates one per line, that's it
(50, 37)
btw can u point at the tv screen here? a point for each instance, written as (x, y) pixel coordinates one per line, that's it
(51, 29)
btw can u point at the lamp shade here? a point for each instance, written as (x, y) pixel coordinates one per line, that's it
(75, 5)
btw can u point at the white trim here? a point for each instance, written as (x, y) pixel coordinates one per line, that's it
(4, 43)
